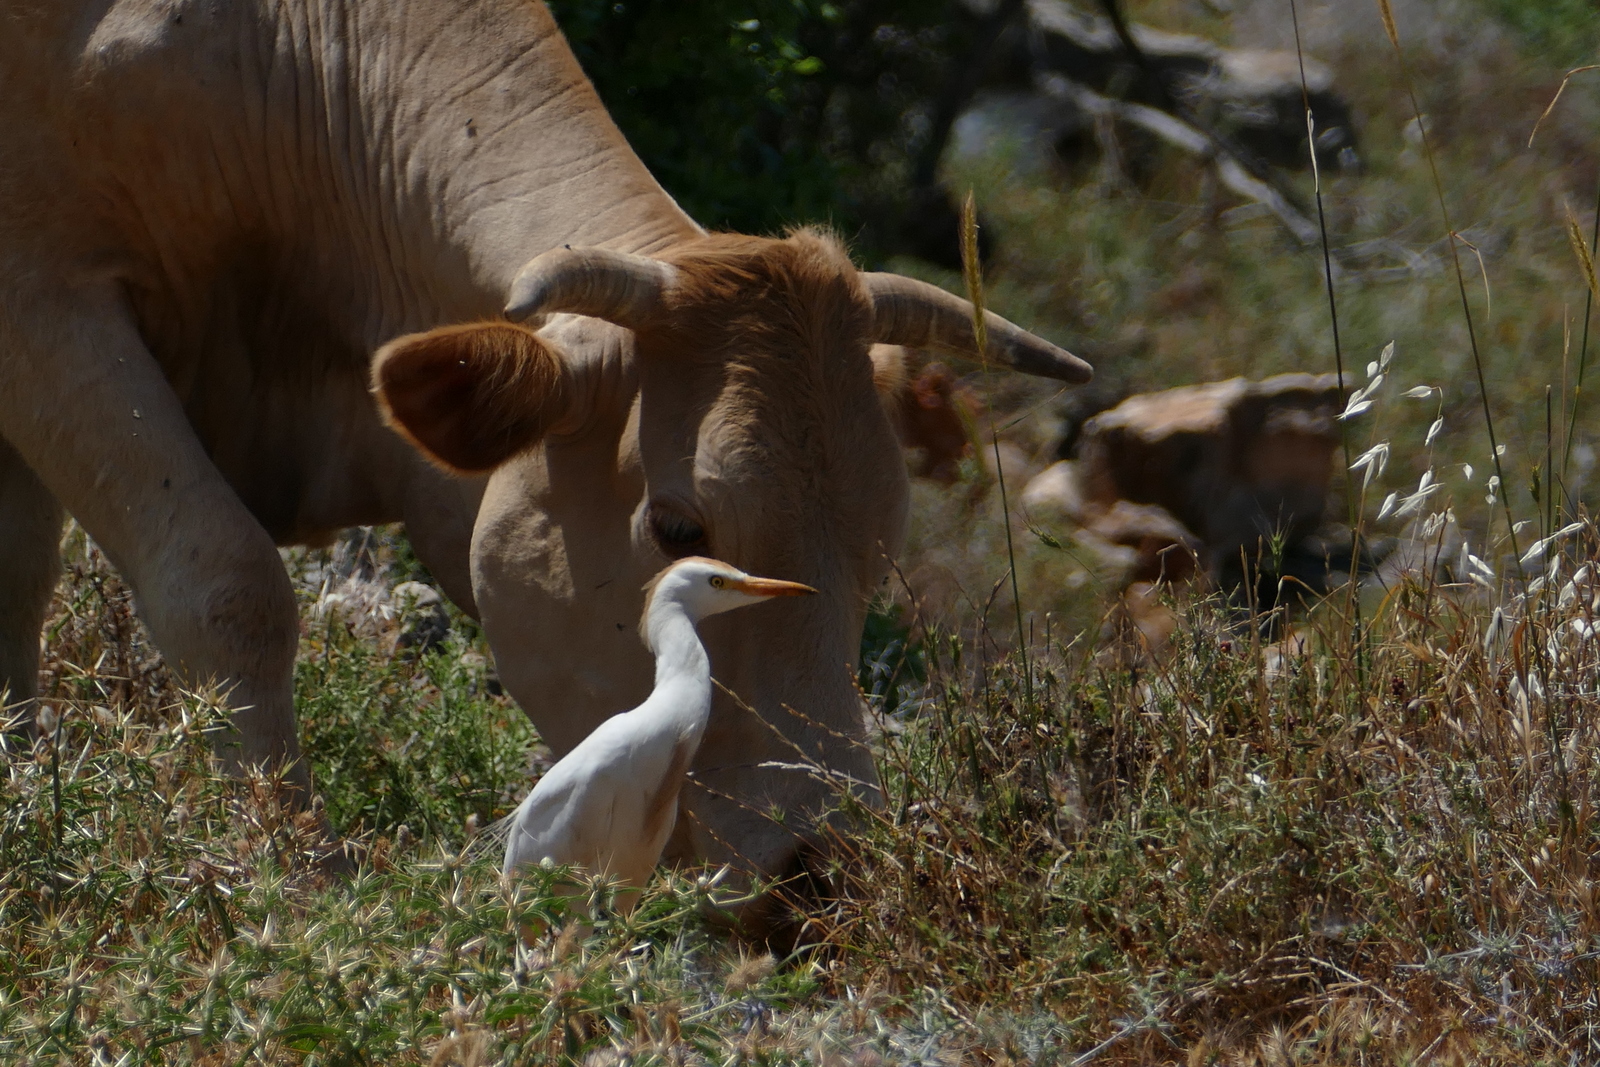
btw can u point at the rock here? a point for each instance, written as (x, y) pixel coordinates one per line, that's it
(416, 595)
(1286, 655)
(1223, 478)
(1141, 623)
(1035, 131)
(1143, 541)
(1245, 466)
(1226, 480)
(1163, 550)
(425, 622)
(1056, 494)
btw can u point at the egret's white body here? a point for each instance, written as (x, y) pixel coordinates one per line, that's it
(610, 804)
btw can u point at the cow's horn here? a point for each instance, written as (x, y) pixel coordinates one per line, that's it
(615, 286)
(908, 312)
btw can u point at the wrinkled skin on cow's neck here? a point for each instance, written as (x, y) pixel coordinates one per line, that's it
(279, 189)
(212, 214)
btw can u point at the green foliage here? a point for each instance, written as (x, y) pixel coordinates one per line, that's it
(757, 114)
(152, 912)
(710, 93)
(399, 740)
(1566, 31)
(893, 660)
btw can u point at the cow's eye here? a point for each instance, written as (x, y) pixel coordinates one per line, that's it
(677, 534)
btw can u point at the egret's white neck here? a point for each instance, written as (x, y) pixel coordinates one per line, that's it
(680, 656)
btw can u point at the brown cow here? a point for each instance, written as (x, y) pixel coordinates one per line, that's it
(934, 418)
(212, 214)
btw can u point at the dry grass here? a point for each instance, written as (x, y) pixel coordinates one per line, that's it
(1378, 849)
(152, 911)
(1375, 844)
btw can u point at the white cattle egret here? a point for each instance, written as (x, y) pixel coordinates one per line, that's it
(610, 804)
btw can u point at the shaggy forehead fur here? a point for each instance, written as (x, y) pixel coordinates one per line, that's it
(785, 326)
(778, 332)
(797, 296)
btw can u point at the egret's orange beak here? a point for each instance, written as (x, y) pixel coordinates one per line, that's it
(770, 587)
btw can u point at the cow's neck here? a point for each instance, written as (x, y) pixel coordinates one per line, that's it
(490, 146)
(326, 175)
(350, 168)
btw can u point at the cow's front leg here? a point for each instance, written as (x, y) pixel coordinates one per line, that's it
(30, 562)
(85, 405)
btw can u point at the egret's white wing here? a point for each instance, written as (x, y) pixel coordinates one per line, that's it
(570, 817)
(605, 805)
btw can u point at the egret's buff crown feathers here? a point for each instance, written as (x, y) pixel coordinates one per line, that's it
(744, 583)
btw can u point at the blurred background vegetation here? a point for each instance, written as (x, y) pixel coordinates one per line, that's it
(757, 114)
(874, 115)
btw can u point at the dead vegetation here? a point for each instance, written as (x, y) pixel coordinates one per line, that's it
(1376, 844)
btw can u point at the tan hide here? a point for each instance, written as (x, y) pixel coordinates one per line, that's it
(212, 215)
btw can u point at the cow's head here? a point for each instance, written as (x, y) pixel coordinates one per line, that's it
(724, 399)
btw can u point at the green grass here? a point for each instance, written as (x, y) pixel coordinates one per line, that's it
(1566, 30)
(152, 911)
(160, 914)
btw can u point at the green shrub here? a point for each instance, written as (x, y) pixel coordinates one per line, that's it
(394, 739)
(1567, 32)
(758, 114)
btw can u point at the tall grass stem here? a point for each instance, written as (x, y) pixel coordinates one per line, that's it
(1351, 505)
(1011, 559)
(1455, 240)
(1327, 256)
(1583, 345)
(55, 776)
(972, 274)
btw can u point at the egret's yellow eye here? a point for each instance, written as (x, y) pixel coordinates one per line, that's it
(717, 581)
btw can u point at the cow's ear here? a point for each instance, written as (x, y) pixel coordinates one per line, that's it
(471, 397)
